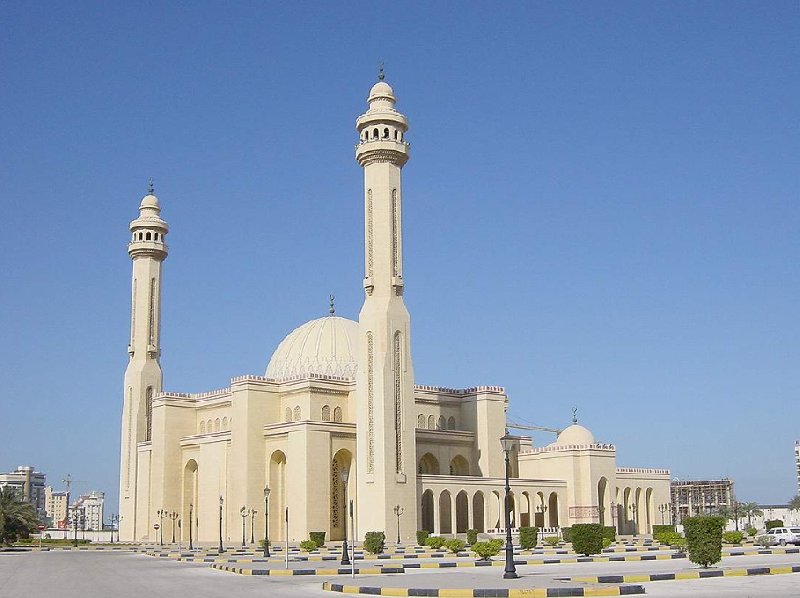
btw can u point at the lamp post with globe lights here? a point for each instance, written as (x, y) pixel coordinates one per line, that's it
(343, 476)
(266, 522)
(507, 442)
(221, 502)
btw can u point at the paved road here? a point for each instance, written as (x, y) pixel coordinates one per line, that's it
(101, 574)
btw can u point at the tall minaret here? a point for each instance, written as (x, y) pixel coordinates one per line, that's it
(143, 378)
(386, 452)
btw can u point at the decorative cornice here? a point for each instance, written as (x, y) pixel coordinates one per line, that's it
(555, 448)
(366, 157)
(644, 470)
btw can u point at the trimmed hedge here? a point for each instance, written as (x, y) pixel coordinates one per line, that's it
(773, 523)
(732, 537)
(587, 538)
(658, 529)
(528, 537)
(610, 533)
(566, 533)
(472, 536)
(551, 540)
(455, 545)
(434, 542)
(486, 550)
(422, 535)
(374, 542)
(317, 538)
(704, 539)
(308, 545)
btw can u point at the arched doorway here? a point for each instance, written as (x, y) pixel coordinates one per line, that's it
(638, 512)
(552, 509)
(428, 465)
(541, 509)
(525, 510)
(648, 508)
(340, 496)
(459, 466)
(477, 512)
(277, 495)
(602, 490)
(462, 512)
(190, 501)
(445, 517)
(427, 511)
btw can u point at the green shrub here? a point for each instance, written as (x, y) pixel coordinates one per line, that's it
(766, 540)
(472, 536)
(434, 542)
(497, 543)
(704, 539)
(671, 538)
(486, 550)
(374, 542)
(527, 537)
(587, 538)
(773, 523)
(551, 540)
(732, 537)
(566, 533)
(422, 535)
(657, 529)
(455, 546)
(610, 533)
(317, 538)
(308, 545)
(751, 531)
(262, 544)
(607, 542)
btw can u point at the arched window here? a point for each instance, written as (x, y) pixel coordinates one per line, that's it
(297, 413)
(216, 425)
(288, 415)
(440, 425)
(337, 414)
(421, 421)
(396, 134)
(428, 465)
(451, 423)
(431, 422)
(202, 427)
(386, 133)
(209, 426)
(459, 466)
(224, 423)
(375, 133)
(148, 237)
(148, 405)
(326, 413)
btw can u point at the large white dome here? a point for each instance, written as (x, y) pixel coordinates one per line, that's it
(327, 346)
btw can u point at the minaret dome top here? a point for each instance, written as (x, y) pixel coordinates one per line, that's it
(381, 95)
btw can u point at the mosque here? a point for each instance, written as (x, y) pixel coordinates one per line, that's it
(338, 416)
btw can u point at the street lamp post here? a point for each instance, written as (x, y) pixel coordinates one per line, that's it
(245, 514)
(191, 510)
(221, 502)
(634, 509)
(174, 517)
(398, 510)
(662, 509)
(114, 523)
(542, 508)
(253, 514)
(345, 555)
(507, 442)
(266, 522)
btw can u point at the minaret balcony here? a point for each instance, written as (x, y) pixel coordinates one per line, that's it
(382, 150)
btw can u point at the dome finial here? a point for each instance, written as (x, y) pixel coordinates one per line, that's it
(381, 76)
(574, 415)
(331, 307)
(150, 188)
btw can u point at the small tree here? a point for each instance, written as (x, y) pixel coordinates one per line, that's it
(587, 538)
(704, 539)
(527, 537)
(422, 535)
(18, 518)
(374, 542)
(472, 536)
(750, 510)
(486, 550)
(794, 504)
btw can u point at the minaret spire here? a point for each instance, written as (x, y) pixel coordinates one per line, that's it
(143, 378)
(385, 415)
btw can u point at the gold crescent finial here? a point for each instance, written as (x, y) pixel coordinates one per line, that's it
(574, 415)
(381, 76)
(150, 188)
(331, 307)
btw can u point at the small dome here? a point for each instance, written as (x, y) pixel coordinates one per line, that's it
(327, 347)
(575, 434)
(149, 201)
(381, 91)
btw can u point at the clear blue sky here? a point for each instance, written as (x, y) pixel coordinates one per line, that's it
(601, 211)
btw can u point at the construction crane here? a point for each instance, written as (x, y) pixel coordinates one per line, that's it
(516, 426)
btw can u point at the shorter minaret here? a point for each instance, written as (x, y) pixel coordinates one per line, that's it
(143, 377)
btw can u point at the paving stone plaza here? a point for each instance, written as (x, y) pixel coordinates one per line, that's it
(632, 568)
